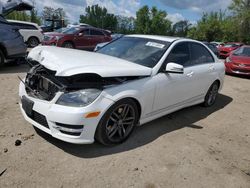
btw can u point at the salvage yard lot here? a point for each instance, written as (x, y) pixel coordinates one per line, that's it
(194, 147)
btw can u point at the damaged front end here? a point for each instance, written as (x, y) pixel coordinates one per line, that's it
(43, 83)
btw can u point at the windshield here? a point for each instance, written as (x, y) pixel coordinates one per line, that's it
(48, 23)
(71, 30)
(146, 52)
(231, 45)
(243, 51)
(60, 30)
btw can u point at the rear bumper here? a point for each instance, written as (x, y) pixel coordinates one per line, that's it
(224, 55)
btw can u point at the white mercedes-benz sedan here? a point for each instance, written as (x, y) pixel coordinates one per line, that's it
(79, 97)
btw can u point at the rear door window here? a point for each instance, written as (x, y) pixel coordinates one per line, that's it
(96, 32)
(199, 54)
(24, 26)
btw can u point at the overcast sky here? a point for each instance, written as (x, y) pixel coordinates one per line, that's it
(177, 9)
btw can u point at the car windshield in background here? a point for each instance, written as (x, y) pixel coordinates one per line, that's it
(146, 52)
(71, 30)
(230, 45)
(243, 51)
(61, 30)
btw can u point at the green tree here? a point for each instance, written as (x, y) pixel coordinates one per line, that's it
(181, 28)
(34, 15)
(57, 14)
(99, 17)
(209, 28)
(125, 24)
(152, 21)
(18, 15)
(142, 22)
(241, 13)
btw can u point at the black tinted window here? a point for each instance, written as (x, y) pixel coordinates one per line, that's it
(199, 54)
(96, 32)
(25, 26)
(179, 54)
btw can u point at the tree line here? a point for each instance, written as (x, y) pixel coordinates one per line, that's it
(232, 24)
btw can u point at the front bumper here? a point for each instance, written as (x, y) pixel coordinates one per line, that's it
(52, 118)
(49, 43)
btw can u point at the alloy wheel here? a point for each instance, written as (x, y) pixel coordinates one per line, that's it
(212, 94)
(120, 122)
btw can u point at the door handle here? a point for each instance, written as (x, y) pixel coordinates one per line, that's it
(211, 67)
(190, 74)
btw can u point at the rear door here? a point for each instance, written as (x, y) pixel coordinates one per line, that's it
(82, 39)
(202, 65)
(179, 90)
(97, 37)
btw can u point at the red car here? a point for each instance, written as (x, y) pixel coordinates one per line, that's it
(239, 61)
(77, 37)
(226, 49)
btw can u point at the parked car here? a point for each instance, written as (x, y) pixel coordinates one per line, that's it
(212, 47)
(239, 61)
(12, 45)
(226, 49)
(217, 44)
(85, 38)
(31, 32)
(80, 96)
(113, 36)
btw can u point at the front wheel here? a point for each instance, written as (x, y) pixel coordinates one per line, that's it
(117, 123)
(211, 95)
(33, 42)
(68, 45)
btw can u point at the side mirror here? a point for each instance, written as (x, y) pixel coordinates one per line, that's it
(80, 34)
(174, 68)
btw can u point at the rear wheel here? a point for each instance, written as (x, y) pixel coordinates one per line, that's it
(2, 59)
(33, 42)
(211, 95)
(68, 45)
(117, 123)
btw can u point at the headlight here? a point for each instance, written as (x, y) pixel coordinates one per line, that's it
(79, 98)
(58, 37)
(228, 60)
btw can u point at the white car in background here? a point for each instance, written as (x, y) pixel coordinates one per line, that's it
(31, 32)
(79, 96)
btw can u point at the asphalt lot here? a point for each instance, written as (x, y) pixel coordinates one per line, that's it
(194, 147)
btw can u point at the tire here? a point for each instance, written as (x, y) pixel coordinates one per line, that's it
(211, 95)
(2, 58)
(68, 45)
(117, 123)
(33, 42)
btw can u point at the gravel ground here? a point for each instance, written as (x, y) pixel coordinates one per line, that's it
(194, 147)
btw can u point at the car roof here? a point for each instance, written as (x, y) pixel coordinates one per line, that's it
(156, 37)
(17, 21)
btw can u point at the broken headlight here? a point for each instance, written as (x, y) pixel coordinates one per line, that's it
(79, 98)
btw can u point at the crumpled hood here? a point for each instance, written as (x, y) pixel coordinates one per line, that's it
(68, 62)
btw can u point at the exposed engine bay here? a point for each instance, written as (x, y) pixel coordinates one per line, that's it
(42, 83)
